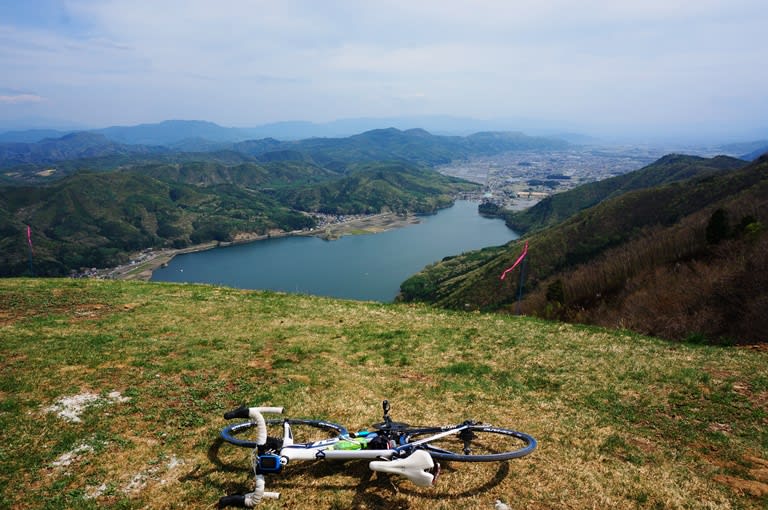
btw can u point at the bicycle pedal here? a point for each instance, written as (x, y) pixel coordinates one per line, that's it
(435, 472)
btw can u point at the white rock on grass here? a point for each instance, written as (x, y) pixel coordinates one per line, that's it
(70, 408)
(153, 474)
(95, 492)
(65, 459)
(116, 397)
(137, 483)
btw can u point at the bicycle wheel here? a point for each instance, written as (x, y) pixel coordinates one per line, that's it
(304, 431)
(476, 443)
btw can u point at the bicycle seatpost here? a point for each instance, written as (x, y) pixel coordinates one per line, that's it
(385, 407)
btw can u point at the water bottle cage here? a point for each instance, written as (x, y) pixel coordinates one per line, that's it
(267, 463)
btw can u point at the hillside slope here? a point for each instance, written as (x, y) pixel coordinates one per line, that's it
(623, 421)
(373, 187)
(249, 174)
(668, 222)
(95, 220)
(669, 169)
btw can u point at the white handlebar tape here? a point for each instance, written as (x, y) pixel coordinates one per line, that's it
(254, 498)
(261, 426)
(270, 410)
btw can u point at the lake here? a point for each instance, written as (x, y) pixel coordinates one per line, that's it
(361, 267)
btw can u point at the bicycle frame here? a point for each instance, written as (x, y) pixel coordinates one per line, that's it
(401, 456)
(323, 450)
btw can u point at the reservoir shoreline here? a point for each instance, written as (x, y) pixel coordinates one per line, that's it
(143, 264)
(358, 267)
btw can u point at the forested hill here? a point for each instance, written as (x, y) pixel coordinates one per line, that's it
(688, 259)
(90, 200)
(671, 168)
(96, 219)
(413, 145)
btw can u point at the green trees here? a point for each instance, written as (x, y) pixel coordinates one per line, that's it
(718, 227)
(666, 260)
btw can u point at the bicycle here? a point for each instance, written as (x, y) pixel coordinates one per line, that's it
(391, 447)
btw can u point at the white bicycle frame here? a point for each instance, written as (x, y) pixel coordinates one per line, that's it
(324, 450)
(406, 460)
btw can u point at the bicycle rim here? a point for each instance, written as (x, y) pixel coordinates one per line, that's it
(304, 431)
(477, 443)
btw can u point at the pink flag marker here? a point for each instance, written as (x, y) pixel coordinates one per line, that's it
(519, 259)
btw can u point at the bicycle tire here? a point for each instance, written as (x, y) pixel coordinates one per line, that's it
(230, 432)
(487, 443)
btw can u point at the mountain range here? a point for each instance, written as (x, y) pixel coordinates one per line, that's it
(90, 200)
(414, 146)
(676, 249)
(196, 135)
(175, 131)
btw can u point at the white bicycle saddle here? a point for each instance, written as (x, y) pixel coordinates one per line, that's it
(412, 467)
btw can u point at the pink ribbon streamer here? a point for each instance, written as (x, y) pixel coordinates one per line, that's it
(519, 259)
(29, 236)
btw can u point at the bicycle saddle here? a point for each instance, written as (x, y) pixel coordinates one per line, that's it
(414, 467)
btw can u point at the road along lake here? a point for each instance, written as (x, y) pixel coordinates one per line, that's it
(361, 267)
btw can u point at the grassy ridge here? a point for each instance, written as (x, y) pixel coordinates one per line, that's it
(623, 421)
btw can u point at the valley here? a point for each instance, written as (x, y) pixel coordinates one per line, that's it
(518, 180)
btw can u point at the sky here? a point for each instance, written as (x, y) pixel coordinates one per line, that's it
(593, 66)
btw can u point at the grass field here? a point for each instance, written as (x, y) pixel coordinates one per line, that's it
(623, 421)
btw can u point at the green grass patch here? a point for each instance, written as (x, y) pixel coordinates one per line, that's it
(623, 421)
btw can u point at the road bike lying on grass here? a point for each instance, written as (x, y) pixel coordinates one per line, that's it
(391, 447)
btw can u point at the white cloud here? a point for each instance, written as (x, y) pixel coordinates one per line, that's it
(252, 61)
(20, 98)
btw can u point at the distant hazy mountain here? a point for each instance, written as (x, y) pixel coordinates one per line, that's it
(195, 134)
(576, 138)
(744, 147)
(755, 154)
(336, 154)
(173, 131)
(68, 147)
(435, 124)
